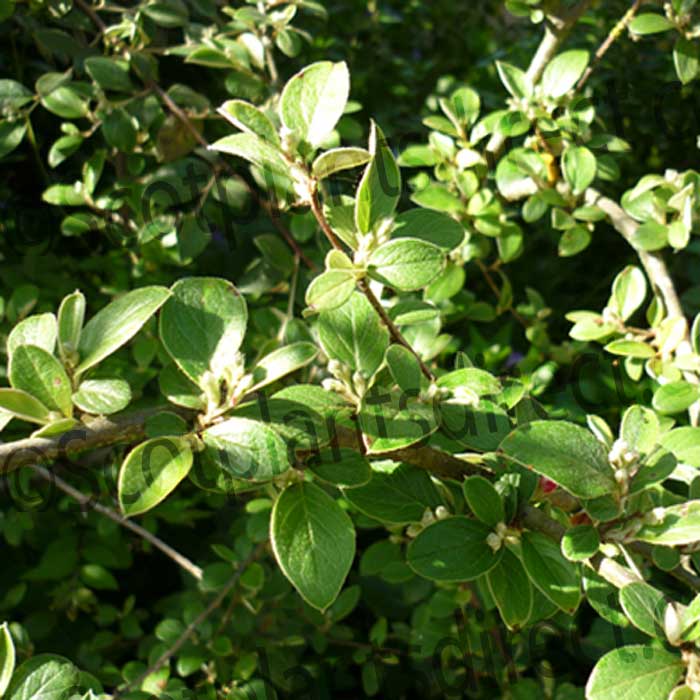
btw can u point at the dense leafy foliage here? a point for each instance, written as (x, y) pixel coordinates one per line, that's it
(371, 328)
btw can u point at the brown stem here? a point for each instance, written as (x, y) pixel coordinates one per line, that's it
(86, 501)
(612, 37)
(364, 287)
(90, 12)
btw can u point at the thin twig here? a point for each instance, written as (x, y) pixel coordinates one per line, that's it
(364, 287)
(90, 12)
(87, 501)
(269, 210)
(612, 37)
(165, 657)
(557, 28)
(494, 288)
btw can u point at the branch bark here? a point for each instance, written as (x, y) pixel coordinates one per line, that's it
(88, 502)
(557, 27)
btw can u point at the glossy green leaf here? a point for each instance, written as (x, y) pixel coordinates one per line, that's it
(314, 542)
(247, 449)
(675, 397)
(44, 677)
(579, 168)
(71, 315)
(454, 549)
(644, 606)
(282, 362)
(102, 396)
(679, 525)
(431, 226)
(109, 73)
(210, 312)
(39, 330)
(380, 187)
(557, 578)
(686, 59)
(650, 23)
(40, 374)
(565, 453)
(11, 135)
(562, 73)
(354, 335)
(407, 264)
(405, 370)
(516, 81)
(629, 291)
(330, 290)
(7, 657)
(630, 348)
(23, 405)
(511, 590)
(313, 101)
(580, 543)
(249, 118)
(484, 501)
(341, 467)
(635, 672)
(338, 159)
(151, 471)
(253, 149)
(117, 323)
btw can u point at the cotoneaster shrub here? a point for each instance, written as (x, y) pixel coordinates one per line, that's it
(351, 350)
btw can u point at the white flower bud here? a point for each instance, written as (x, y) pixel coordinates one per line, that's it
(441, 513)
(673, 625)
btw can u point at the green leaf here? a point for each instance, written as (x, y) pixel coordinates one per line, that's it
(40, 374)
(354, 335)
(573, 241)
(71, 315)
(13, 95)
(398, 497)
(119, 131)
(210, 310)
(380, 187)
(511, 590)
(563, 72)
(330, 290)
(407, 264)
(650, 236)
(151, 471)
(640, 429)
(247, 449)
(431, 226)
(565, 453)
(405, 369)
(313, 101)
(686, 60)
(246, 117)
(580, 543)
(44, 677)
(23, 405)
(630, 348)
(633, 672)
(102, 396)
(650, 23)
(338, 159)
(557, 578)
(256, 151)
(439, 198)
(65, 102)
(341, 467)
(11, 135)
(675, 397)
(680, 525)
(314, 542)
(629, 291)
(282, 362)
(644, 607)
(167, 13)
(579, 168)
(484, 501)
(117, 323)
(39, 330)
(454, 549)
(109, 73)
(7, 657)
(515, 80)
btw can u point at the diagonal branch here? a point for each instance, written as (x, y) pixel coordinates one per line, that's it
(86, 501)
(364, 287)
